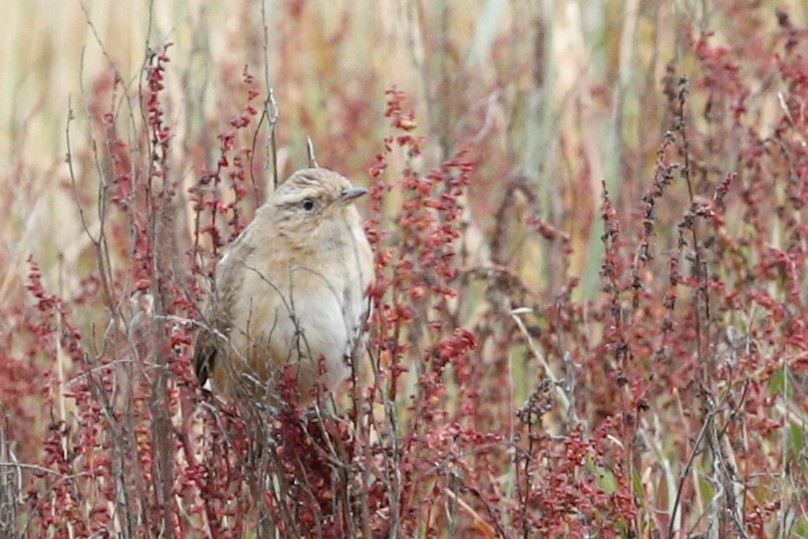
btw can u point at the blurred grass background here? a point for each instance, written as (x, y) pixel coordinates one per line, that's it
(557, 96)
(566, 93)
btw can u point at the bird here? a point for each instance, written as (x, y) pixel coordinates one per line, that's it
(290, 295)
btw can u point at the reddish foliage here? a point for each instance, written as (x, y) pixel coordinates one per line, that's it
(666, 394)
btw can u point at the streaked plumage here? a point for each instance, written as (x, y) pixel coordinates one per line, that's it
(291, 289)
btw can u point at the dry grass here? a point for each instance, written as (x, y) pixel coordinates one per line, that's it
(623, 427)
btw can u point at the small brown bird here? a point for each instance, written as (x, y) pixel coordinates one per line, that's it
(291, 290)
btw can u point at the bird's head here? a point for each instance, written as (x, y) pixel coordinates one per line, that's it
(314, 205)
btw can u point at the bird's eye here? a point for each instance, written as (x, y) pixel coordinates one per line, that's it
(308, 204)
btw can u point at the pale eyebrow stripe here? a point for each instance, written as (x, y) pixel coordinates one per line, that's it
(311, 180)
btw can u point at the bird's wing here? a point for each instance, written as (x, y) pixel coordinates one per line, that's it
(217, 316)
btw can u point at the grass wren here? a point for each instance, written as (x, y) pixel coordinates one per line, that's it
(291, 293)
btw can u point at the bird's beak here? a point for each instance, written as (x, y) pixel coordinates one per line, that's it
(352, 193)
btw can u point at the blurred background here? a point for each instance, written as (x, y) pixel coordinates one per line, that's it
(639, 335)
(564, 94)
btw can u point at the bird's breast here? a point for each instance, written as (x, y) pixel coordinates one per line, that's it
(302, 313)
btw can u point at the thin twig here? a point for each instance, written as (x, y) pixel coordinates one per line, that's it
(310, 149)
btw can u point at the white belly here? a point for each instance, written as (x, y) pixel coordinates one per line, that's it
(323, 328)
